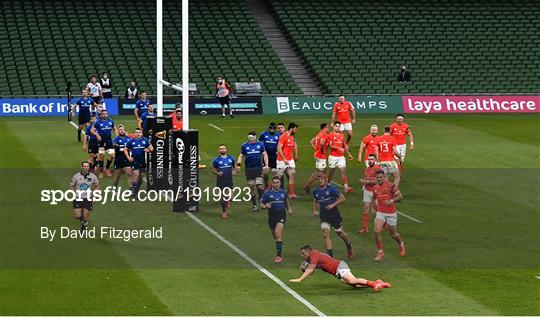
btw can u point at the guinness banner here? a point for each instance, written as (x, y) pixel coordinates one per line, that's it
(160, 174)
(185, 166)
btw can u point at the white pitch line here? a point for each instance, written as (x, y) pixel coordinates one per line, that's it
(537, 277)
(216, 127)
(76, 127)
(257, 266)
(410, 217)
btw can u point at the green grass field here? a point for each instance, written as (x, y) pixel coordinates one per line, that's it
(473, 180)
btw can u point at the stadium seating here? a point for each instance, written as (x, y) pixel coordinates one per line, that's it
(46, 43)
(459, 46)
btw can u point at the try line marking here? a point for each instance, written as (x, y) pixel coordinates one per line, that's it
(258, 266)
(216, 127)
(410, 217)
(537, 277)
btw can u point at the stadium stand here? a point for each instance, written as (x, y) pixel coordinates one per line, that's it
(459, 46)
(45, 44)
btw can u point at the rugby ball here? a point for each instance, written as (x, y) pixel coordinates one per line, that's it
(304, 266)
(204, 112)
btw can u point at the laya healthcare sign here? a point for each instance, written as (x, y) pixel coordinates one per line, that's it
(324, 105)
(45, 106)
(471, 104)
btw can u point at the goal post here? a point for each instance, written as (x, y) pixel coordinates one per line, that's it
(182, 146)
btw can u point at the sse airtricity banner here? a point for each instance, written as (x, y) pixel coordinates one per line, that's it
(471, 104)
(45, 106)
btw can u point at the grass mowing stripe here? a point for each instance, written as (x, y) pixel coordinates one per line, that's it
(258, 266)
(216, 127)
(409, 217)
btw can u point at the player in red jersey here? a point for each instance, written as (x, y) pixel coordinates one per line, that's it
(320, 150)
(388, 154)
(369, 143)
(338, 148)
(400, 130)
(369, 182)
(314, 259)
(177, 120)
(344, 111)
(287, 156)
(386, 195)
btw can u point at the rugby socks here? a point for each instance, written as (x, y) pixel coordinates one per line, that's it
(94, 163)
(370, 283)
(365, 220)
(349, 246)
(344, 181)
(279, 247)
(330, 253)
(108, 163)
(79, 134)
(291, 189)
(379, 245)
(223, 206)
(100, 163)
(135, 188)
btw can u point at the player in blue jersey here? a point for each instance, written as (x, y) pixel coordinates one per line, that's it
(256, 164)
(141, 106)
(326, 198)
(121, 164)
(103, 129)
(90, 143)
(223, 168)
(135, 151)
(144, 118)
(270, 140)
(84, 104)
(276, 200)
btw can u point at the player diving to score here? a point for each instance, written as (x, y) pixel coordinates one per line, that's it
(314, 259)
(276, 200)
